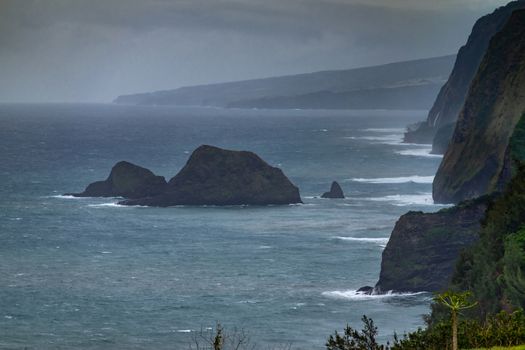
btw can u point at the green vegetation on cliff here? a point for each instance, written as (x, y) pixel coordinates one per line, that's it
(423, 247)
(494, 268)
(476, 156)
(451, 98)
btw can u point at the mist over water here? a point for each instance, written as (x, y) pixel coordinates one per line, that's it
(87, 273)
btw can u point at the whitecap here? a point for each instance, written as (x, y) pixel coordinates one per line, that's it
(393, 139)
(65, 196)
(407, 199)
(112, 204)
(390, 130)
(353, 294)
(380, 241)
(396, 180)
(423, 152)
(184, 330)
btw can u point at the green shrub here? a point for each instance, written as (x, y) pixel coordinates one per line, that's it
(352, 339)
(502, 329)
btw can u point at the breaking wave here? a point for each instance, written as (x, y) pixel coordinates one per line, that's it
(353, 294)
(396, 180)
(423, 152)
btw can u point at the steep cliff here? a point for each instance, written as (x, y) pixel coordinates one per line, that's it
(423, 247)
(452, 96)
(475, 159)
(494, 268)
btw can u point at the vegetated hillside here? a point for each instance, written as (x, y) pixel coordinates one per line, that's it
(407, 85)
(494, 269)
(418, 96)
(441, 119)
(475, 161)
(488, 148)
(423, 248)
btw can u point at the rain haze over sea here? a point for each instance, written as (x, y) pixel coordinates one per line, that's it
(89, 274)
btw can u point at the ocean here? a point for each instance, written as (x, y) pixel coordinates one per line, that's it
(86, 273)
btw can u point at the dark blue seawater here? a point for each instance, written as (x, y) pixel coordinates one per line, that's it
(87, 274)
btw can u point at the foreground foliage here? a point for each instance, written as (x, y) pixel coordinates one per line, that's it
(502, 329)
(352, 339)
(494, 269)
(455, 302)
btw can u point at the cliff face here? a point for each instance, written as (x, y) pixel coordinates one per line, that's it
(494, 268)
(476, 156)
(423, 247)
(452, 96)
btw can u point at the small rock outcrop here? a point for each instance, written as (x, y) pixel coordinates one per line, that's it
(475, 158)
(215, 176)
(424, 247)
(366, 290)
(335, 191)
(126, 180)
(452, 96)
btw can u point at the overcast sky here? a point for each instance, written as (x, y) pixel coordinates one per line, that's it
(94, 50)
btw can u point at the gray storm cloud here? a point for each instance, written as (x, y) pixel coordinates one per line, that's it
(94, 50)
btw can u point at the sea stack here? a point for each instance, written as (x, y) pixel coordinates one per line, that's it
(215, 176)
(212, 176)
(126, 180)
(335, 191)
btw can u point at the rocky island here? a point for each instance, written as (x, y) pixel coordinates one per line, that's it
(212, 176)
(126, 180)
(335, 192)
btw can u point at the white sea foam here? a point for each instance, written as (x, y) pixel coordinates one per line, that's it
(380, 241)
(396, 180)
(184, 330)
(422, 152)
(386, 139)
(65, 196)
(406, 199)
(112, 205)
(389, 130)
(352, 294)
